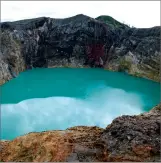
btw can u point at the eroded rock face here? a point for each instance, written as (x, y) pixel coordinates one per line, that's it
(134, 138)
(74, 144)
(128, 138)
(79, 41)
(137, 51)
(11, 60)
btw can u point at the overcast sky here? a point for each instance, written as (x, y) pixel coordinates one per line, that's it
(135, 13)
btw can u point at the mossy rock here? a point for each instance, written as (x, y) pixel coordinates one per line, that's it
(111, 22)
(124, 65)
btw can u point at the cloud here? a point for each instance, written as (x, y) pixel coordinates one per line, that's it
(135, 13)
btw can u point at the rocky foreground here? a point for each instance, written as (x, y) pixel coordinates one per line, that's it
(78, 41)
(127, 138)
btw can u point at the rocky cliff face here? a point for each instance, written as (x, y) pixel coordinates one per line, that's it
(78, 41)
(128, 138)
(137, 51)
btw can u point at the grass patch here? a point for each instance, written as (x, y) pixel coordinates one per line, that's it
(111, 21)
(124, 65)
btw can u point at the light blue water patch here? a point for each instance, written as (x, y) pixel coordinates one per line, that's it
(63, 112)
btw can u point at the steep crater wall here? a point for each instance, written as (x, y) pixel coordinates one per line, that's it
(79, 41)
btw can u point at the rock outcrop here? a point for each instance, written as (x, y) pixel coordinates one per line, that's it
(138, 52)
(79, 41)
(127, 138)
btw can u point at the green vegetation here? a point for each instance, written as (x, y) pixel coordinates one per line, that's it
(137, 74)
(111, 22)
(124, 65)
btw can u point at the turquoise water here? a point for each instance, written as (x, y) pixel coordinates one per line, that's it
(58, 98)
